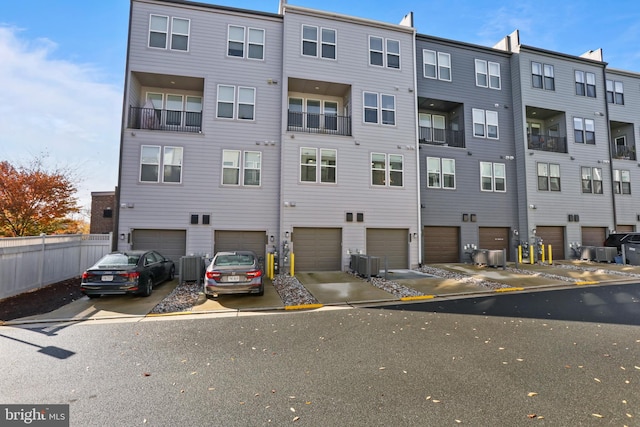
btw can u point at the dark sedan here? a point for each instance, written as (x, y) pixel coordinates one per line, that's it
(129, 272)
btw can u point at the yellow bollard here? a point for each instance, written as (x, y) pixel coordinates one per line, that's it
(270, 265)
(542, 255)
(532, 255)
(292, 263)
(550, 256)
(520, 254)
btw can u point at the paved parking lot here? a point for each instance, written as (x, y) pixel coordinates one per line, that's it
(342, 288)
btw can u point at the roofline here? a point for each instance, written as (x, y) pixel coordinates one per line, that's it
(494, 50)
(189, 3)
(563, 55)
(346, 18)
(634, 74)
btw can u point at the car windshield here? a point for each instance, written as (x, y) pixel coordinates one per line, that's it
(233, 259)
(118, 260)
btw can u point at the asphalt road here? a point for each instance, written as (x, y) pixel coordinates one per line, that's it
(560, 358)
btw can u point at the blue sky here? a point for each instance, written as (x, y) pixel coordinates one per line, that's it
(62, 62)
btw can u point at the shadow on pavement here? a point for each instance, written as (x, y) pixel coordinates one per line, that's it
(618, 304)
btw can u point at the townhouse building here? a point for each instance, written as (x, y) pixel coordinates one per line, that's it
(322, 135)
(468, 173)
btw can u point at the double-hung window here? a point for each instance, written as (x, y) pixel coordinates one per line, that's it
(621, 181)
(542, 76)
(441, 173)
(436, 65)
(241, 168)
(487, 74)
(327, 41)
(387, 170)
(318, 165)
(584, 130)
(493, 177)
(153, 158)
(615, 92)
(485, 124)
(585, 84)
(379, 108)
(159, 32)
(245, 42)
(384, 52)
(548, 177)
(236, 102)
(591, 180)
(432, 128)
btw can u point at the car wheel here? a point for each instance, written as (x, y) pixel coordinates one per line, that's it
(148, 287)
(92, 296)
(172, 273)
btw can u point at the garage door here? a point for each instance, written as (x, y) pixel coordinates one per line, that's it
(494, 238)
(390, 243)
(553, 236)
(234, 240)
(170, 243)
(625, 229)
(317, 249)
(441, 244)
(593, 236)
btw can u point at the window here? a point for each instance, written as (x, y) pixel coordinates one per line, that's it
(436, 65)
(485, 124)
(487, 74)
(591, 180)
(379, 108)
(227, 108)
(309, 170)
(585, 84)
(180, 34)
(542, 76)
(247, 172)
(150, 164)
(179, 110)
(387, 170)
(548, 177)
(384, 52)
(615, 92)
(493, 177)
(621, 181)
(158, 30)
(432, 127)
(584, 130)
(441, 173)
(236, 42)
(310, 42)
(318, 114)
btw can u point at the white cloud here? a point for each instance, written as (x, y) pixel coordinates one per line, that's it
(59, 108)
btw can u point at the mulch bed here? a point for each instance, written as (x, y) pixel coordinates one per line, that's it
(41, 300)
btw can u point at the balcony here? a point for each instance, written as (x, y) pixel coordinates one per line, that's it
(624, 152)
(623, 140)
(552, 143)
(443, 137)
(327, 124)
(164, 120)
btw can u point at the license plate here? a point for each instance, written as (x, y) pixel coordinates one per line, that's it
(107, 278)
(233, 278)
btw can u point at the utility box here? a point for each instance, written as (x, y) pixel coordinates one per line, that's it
(495, 258)
(632, 253)
(368, 265)
(480, 257)
(191, 269)
(588, 253)
(606, 254)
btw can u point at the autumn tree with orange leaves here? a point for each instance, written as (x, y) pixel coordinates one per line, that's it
(35, 200)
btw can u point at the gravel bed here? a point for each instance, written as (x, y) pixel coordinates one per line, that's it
(182, 298)
(547, 275)
(598, 269)
(446, 274)
(291, 291)
(394, 288)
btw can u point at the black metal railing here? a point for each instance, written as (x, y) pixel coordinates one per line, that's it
(167, 120)
(553, 143)
(331, 124)
(624, 152)
(446, 137)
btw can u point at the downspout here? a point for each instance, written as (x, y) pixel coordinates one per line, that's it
(606, 115)
(417, 146)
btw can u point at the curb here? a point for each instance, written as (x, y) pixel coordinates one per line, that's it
(303, 306)
(417, 298)
(513, 289)
(587, 283)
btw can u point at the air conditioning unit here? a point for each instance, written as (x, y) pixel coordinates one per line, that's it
(606, 254)
(480, 257)
(495, 258)
(587, 253)
(191, 269)
(368, 265)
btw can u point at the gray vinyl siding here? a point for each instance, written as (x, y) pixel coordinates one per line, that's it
(553, 208)
(627, 206)
(325, 205)
(169, 206)
(445, 207)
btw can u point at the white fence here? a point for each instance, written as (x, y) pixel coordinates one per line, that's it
(28, 263)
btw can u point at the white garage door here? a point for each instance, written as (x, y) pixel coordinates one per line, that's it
(170, 243)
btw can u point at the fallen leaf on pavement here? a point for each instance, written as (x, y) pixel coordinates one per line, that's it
(531, 394)
(598, 415)
(146, 374)
(532, 416)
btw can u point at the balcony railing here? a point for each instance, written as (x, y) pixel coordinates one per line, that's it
(330, 124)
(446, 137)
(167, 120)
(553, 143)
(624, 152)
